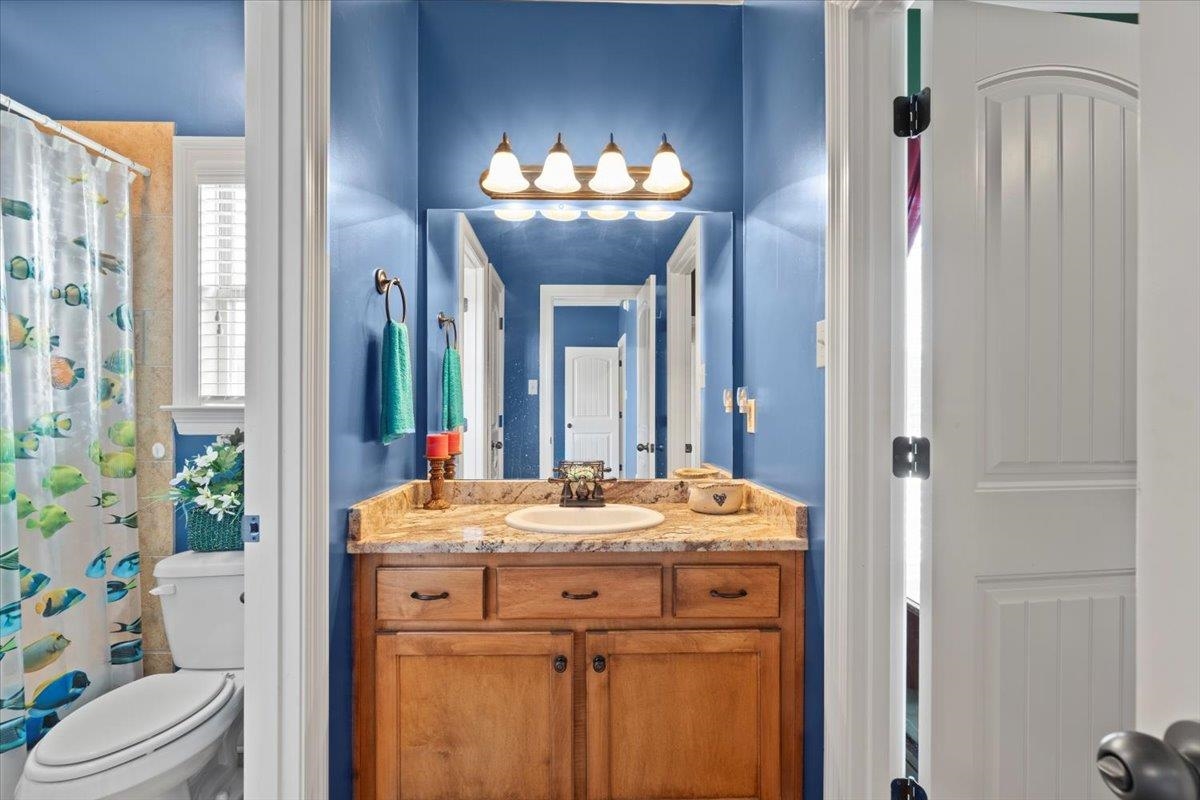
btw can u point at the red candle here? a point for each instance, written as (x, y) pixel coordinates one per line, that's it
(437, 446)
(455, 442)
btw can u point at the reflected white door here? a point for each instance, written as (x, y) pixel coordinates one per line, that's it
(1029, 174)
(646, 301)
(591, 405)
(623, 399)
(495, 373)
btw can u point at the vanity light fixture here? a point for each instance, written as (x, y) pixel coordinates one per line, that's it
(666, 173)
(514, 214)
(558, 173)
(607, 213)
(612, 173)
(653, 214)
(559, 179)
(561, 213)
(504, 174)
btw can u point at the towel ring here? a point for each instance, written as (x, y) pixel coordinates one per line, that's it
(443, 320)
(383, 285)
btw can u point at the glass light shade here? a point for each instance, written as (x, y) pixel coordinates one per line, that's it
(504, 173)
(607, 213)
(653, 214)
(561, 213)
(514, 214)
(666, 173)
(612, 174)
(558, 172)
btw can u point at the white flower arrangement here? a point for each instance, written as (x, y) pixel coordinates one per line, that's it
(214, 480)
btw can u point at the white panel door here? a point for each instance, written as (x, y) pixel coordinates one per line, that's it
(591, 405)
(495, 371)
(1029, 201)
(646, 343)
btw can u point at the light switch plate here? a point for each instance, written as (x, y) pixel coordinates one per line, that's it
(533, 386)
(821, 342)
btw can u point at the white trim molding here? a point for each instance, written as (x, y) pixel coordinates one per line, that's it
(554, 295)
(287, 408)
(864, 700)
(196, 160)
(685, 363)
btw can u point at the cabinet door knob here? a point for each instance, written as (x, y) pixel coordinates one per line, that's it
(599, 663)
(592, 595)
(419, 596)
(728, 595)
(560, 663)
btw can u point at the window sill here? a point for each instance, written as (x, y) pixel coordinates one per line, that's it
(206, 420)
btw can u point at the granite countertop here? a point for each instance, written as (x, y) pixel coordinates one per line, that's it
(395, 522)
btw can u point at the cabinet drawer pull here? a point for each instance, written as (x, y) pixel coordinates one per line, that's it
(592, 595)
(728, 595)
(419, 596)
(560, 663)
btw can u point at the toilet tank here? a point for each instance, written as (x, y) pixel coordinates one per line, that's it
(203, 609)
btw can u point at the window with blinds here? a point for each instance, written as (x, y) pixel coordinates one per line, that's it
(222, 300)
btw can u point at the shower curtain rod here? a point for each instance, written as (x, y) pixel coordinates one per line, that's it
(41, 119)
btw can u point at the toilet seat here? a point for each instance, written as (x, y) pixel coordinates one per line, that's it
(131, 721)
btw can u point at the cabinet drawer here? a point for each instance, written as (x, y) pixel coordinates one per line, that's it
(731, 591)
(419, 593)
(579, 592)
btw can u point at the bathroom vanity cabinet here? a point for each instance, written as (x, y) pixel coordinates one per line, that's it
(578, 675)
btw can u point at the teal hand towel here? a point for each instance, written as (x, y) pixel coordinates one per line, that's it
(397, 418)
(452, 391)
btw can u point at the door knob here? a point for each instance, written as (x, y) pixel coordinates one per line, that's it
(570, 425)
(497, 445)
(599, 663)
(643, 448)
(1138, 766)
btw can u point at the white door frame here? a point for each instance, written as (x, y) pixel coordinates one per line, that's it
(473, 315)
(623, 399)
(684, 362)
(287, 397)
(864, 700)
(554, 295)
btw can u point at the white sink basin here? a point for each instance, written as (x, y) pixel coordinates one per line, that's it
(605, 519)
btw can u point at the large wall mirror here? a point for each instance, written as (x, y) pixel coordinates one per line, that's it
(586, 339)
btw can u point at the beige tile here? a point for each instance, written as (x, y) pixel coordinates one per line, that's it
(156, 528)
(152, 262)
(154, 635)
(152, 335)
(157, 664)
(148, 143)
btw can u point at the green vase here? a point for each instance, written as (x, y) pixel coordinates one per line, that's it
(206, 533)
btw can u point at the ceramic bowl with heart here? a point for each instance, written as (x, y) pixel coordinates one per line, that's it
(719, 497)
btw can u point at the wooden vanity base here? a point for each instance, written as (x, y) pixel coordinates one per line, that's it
(579, 676)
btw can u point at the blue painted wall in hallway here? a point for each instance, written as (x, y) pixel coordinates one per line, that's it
(372, 222)
(160, 60)
(783, 292)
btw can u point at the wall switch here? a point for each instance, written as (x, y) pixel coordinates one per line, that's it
(821, 341)
(533, 386)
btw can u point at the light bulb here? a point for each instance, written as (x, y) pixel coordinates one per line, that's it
(514, 214)
(612, 174)
(666, 173)
(561, 213)
(607, 213)
(653, 214)
(504, 174)
(558, 173)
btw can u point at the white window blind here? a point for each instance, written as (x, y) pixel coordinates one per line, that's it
(222, 301)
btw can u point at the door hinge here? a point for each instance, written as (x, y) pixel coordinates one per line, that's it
(910, 115)
(620, 415)
(910, 457)
(687, 448)
(908, 789)
(466, 304)
(502, 323)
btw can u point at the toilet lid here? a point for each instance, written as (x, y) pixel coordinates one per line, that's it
(133, 713)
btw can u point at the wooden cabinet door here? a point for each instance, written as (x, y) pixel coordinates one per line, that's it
(486, 716)
(683, 714)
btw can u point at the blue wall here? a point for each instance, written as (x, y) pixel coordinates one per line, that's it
(583, 326)
(372, 222)
(717, 271)
(156, 60)
(534, 69)
(783, 292)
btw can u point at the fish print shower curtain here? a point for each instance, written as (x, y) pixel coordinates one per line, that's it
(70, 611)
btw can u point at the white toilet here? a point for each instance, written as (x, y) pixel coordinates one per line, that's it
(166, 737)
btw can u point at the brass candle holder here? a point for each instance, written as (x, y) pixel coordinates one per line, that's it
(437, 484)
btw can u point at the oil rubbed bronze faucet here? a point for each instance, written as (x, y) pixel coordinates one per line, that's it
(583, 483)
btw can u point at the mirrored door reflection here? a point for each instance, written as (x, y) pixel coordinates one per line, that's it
(588, 340)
